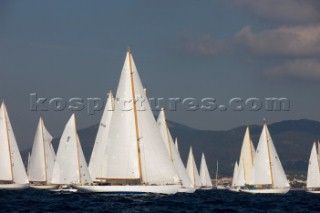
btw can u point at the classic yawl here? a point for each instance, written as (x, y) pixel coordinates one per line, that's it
(13, 174)
(41, 160)
(174, 154)
(193, 171)
(242, 171)
(267, 174)
(313, 179)
(136, 159)
(205, 178)
(70, 167)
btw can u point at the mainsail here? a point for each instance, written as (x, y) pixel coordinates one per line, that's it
(172, 150)
(11, 164)
(313, 179)
(193, 171)
(247, 156)
(98, 160)
(135, 148)
(70, 166)
(42, 156)
(204, 173)
(267, 169)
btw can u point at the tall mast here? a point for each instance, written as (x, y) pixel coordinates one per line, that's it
(135, 115)
(270, 163)
(77, 142)
(217, 173)
(44, 151)
(6, 120)
(251, 146)
(168, 137)
(194, 177)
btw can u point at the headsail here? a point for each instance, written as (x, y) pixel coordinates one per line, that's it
(193, 171)
(172, 151)
(70, 166)
(235, 175)
(98, 160)
(204, 173)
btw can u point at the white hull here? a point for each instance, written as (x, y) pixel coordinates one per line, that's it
(14, 186)
(134, 189)
(314, 192)
(234, 189)
(206, 188)
(44, 186)
(266, 191)
(187, 190)
(220, 187)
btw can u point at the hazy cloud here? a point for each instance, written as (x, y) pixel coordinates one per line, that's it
(308, 69)
(293, 11)
(291, 41)
(205, 45)
(283, 41)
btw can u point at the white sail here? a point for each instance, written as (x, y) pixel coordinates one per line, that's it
(28, 164)
(279, 177)
(193, 171)
(11, 164)
(128, 129)
(70, 166)
(241, 178)
(5, 158)
(172, 151)
(267, 166)
(204, 173)
(247, 155)
(98, 160)
(176, 144)
(318, 150)
(42, 156)
(235, 175)
(313, 179)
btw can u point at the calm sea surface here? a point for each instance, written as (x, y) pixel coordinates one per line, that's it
(200, 201)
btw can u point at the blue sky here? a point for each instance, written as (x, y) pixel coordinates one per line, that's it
(199, 48)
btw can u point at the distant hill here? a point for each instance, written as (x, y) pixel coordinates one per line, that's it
(293, 140)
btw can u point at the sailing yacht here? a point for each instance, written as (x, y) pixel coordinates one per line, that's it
(174, 154)
(267, 174)
(193, 171)
(70, 167)
(217, 186)
(234, 185)
(205, 178)
(244, 169)
(136, 158)
(97, 166)
(13, 174)
(41, 160)
(313, 179)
